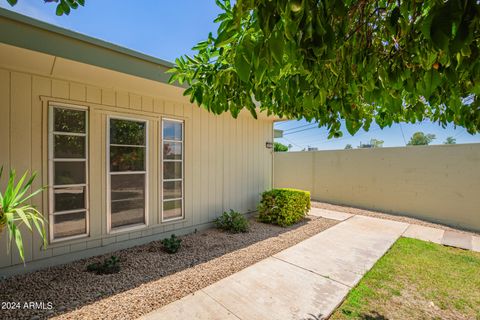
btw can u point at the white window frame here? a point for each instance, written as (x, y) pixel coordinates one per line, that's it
(51, 177)
(111, 230)
(162, 180)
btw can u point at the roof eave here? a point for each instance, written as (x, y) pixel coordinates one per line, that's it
(28, 33)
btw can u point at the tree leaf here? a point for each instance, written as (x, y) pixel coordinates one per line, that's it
(59, 10)
(276, 44)
(242, 65)
(431, 81)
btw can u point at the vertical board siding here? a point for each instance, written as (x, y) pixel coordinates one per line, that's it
(21, 140)
(108, 97)
(135, 102)
(226, 163)
(94, 94)
(78, 92)
(40, 87)
(147, 104)
(196, 157)
(96, 141)
(188, 188)
(204, 171)
(5, 257)
(122, 99)
(60, 89)
(219, 189)
(212, 166)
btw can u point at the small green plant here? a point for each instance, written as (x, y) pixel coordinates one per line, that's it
(172, 244)
(232, 221)
(109, 266)
(284, 206)
(15, 211)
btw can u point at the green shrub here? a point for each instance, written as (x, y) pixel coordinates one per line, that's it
(172, 244)
(109, 266)
(284, 206)
(232, 221)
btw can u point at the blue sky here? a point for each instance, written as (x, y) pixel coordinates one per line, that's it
(163, 29)
(168, 29)
(301, 134)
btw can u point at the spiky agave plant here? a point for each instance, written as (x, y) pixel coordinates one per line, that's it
(15, 211)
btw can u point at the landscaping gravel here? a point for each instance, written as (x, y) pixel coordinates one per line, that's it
(149, 277)
(382, 215)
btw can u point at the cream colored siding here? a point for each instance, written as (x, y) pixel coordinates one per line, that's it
(437, 183)
(226, 163)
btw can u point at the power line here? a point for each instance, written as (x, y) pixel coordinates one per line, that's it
(305, 125)
(319, 138)
(301, 130)
(293, 143)
(403, 135)
(460, 133)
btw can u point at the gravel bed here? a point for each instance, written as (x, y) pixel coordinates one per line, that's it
(382, 215)
(149, 278)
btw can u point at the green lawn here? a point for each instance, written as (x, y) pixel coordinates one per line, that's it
(417, 280)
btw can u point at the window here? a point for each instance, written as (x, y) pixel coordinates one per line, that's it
(68, 167)
(127, 174)
(172, 159)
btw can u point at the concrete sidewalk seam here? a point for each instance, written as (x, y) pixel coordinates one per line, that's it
(220, 304)
(318, 274)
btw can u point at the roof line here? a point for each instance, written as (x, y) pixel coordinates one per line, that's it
(25, 32)
(82, 37)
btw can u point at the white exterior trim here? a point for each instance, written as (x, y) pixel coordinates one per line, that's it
(51, 161)
(111, 230)
(160, 171)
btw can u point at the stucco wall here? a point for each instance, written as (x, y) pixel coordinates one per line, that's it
(436, 183)
(226, 162)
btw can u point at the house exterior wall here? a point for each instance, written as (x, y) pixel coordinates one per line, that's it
(436, 183)
(227, 165)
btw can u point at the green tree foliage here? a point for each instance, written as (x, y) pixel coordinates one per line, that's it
(63, 6)
(421, 139)
(278, 147)
(348, 146)
(450, 140)
(388, 61)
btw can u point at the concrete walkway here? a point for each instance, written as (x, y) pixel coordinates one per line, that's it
(440, 236)
(306, 281)
(310, 279)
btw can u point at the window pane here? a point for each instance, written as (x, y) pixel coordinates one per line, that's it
(127, 132)
(172, 189)
(172, 150)
(69, 172)
(128, 186)
(172, 209)
(128, 199)
(67, 225)
(69, 198)
(127, 158)
(172, 170)
(172, 130)
(128, 212)
(69, 147)
(68, 120)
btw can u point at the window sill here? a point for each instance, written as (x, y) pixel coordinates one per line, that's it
(120, 230)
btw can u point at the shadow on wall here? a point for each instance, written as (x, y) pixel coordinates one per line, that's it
(70, 286)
